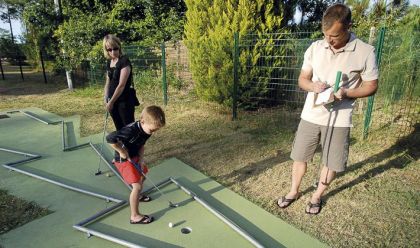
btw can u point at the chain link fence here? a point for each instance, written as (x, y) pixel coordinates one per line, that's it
(397, 102)
(161, 72)
(267, 70)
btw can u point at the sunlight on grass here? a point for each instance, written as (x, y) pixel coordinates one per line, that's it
(374, 204)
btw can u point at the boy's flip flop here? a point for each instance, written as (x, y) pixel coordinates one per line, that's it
(145, 220)
(145, 198)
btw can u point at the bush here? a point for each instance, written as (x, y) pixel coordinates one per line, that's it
(209, 34)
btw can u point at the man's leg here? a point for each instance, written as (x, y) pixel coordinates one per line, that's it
(335, 143)
(325, 179)
(304, 145)
(298, 171)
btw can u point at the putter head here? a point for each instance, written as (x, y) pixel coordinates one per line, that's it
(173, 205)
(98, 173)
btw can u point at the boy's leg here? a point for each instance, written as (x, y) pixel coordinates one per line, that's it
(134, 202)
(143, 197)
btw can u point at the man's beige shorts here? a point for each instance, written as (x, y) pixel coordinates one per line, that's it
(334, 152)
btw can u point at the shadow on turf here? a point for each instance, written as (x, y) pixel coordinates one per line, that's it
(407, 148)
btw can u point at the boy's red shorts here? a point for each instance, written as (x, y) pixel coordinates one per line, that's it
(128, 172)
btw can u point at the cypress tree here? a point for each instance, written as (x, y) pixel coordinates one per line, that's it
(209, 32)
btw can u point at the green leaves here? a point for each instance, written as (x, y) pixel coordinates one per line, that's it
(78, 35)
(209, 32)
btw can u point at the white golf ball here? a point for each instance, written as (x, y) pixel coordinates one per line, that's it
(170, 224)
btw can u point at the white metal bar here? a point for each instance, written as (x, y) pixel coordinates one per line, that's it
(225, 219)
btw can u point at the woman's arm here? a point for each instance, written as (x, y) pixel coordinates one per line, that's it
(106, 88)
(125, 73)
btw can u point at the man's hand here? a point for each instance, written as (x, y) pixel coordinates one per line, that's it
(340, 94)
(319, 87)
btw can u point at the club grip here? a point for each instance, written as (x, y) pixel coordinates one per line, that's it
(337, 81)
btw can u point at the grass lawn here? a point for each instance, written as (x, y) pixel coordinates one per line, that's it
(16, 212)
(374, 204)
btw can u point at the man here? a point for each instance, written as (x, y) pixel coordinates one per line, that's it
(340, 50)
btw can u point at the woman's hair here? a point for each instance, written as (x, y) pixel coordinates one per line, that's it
(153, 114)
(111, 41)
(337, 12)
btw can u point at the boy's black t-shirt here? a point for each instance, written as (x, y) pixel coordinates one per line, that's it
(114, 78)
(131, 136)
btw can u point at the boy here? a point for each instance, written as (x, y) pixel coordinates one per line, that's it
(129, 146)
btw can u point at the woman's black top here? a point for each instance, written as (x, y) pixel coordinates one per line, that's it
(114, 78)
(132, 136)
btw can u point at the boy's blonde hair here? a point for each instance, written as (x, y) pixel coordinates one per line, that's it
(111, 41)
(153, 114)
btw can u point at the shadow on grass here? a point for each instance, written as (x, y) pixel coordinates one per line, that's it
(31, 84)
(17, 212)
(407, 148)
(254, 169)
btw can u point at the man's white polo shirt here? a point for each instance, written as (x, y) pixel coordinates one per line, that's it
(356, 60)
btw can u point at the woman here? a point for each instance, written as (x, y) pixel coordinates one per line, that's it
(119, 95)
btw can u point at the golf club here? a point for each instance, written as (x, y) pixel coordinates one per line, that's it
(99, 172)
(172, 205)
(330, 110)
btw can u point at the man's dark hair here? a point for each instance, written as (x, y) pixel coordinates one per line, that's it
(337, 12)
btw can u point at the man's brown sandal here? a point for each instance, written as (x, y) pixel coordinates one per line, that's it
(283, 199)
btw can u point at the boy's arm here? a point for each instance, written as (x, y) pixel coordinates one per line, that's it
(114, 141)
(119, 148)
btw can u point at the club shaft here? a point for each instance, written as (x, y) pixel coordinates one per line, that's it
(103, 140)
(154, 185)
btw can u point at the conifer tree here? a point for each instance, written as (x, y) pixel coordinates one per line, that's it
(209, 32)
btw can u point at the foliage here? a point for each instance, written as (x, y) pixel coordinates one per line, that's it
(137, 21)
(40, 21)
(400, 58)
(146, 79)
(75, 42)
(379, 14)
(9, 50)
(75, 34)
(209, 34)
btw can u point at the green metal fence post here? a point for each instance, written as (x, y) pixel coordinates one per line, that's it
(235, 75)
(371, 99)
(164, 82)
